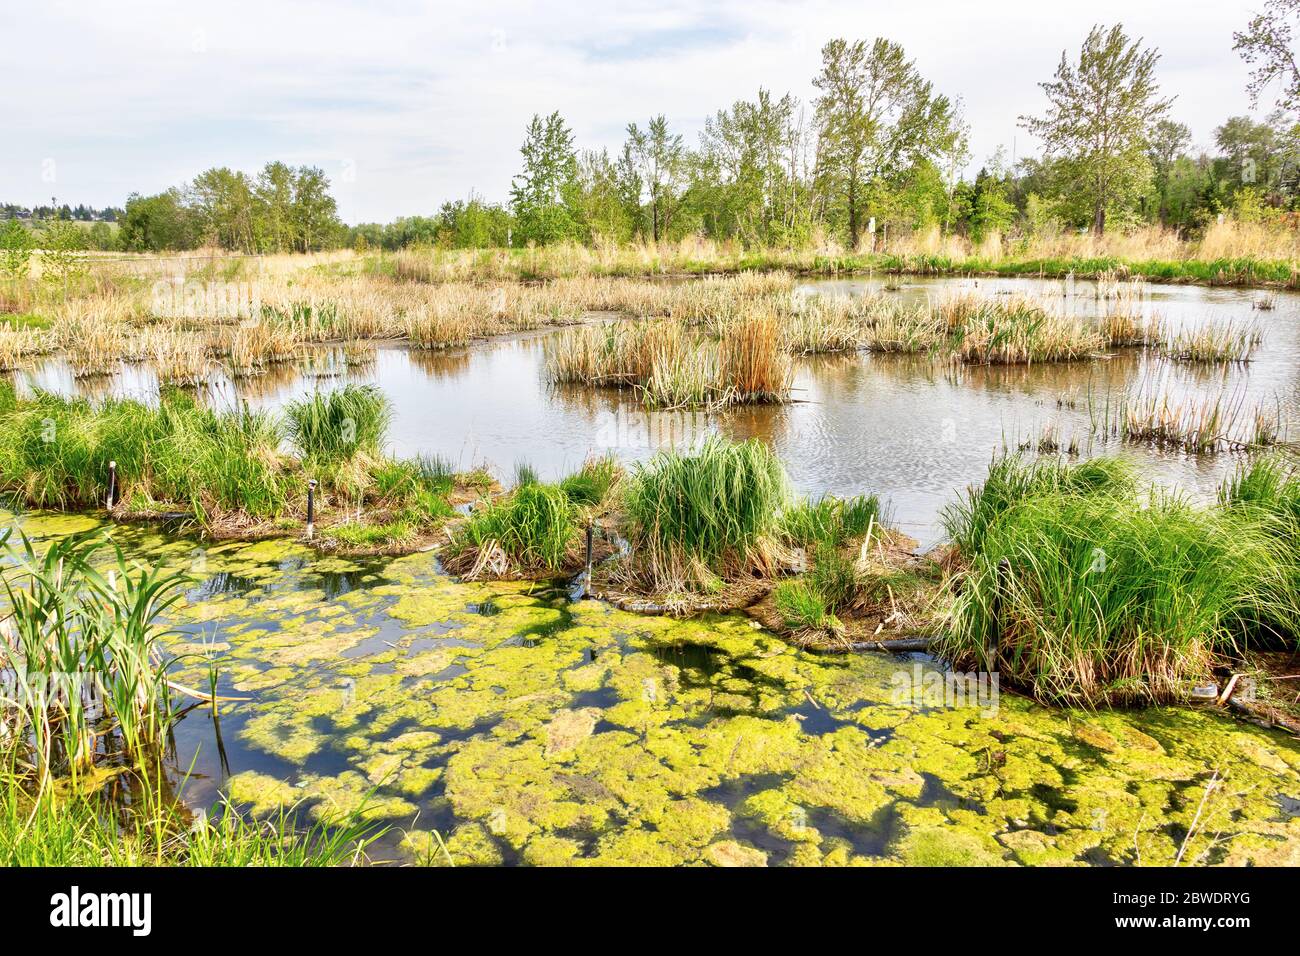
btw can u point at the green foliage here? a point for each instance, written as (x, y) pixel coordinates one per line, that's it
(542, 193)
(875, 115)
(533, 526)
(82, 828)
(1269, 486)
(1110, 598)
(16, 246)
(833, 577)
(835, 521)
(55, 452)
(98, 634)
(707, 511)
(589, 485)
(1100, 110)
(333, 427)
(61, 252)
(1013, 479)
(801, 606)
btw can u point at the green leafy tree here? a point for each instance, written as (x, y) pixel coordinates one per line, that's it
(658, 158)
(314, 217)
(62, 244)
(541, 194)
(1166, 142)
(223, 199)
(15, 250)
(753, 158)
(876, 114)
(1095, 128)
(157, 223)
(275, 219)
(1267, 44)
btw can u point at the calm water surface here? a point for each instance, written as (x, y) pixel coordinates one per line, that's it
(912, 430)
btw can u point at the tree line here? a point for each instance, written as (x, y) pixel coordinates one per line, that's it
(876, 152)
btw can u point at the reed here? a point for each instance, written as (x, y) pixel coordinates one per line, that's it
(753, 364)
(714, 514)
(1196, 424)
(1112, 599)
(332, 427)
(1213, 343)
(86, 679)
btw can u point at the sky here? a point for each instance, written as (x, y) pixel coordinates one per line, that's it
(405, 105)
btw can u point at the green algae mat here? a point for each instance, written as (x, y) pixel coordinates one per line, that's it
(523, 728)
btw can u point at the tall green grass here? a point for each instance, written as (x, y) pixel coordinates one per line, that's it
(80, 827)
(714, 513)
(1270, 487)
(1015, 478)
(55, 453)
(333, 427)
(533, 528)
(80, 652)
(831, 520)
(590, 484)
(1109, 596)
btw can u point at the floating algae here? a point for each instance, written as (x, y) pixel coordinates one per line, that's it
(550, 733)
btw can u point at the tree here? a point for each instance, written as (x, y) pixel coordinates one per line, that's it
(1099, 112)
(15, 250)
(657, 158)
(314, 211)
(1166, 142)
(752, 157)
(541, 193)
(273, 194)
(875, 114)
(598, 200)
(223, 199)
(1266, 44)
(156, 223)
(62, 243)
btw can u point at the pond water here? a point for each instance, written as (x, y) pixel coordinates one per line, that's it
(912, 430)
(527, 729)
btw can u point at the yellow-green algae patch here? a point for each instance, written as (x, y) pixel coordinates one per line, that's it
(525, 729)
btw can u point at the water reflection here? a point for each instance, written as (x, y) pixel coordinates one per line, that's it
(907, 427)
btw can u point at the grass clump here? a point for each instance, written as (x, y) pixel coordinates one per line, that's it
(55, 453)
(1013, 479)
(592, 483)
(77, 829)
(1214, 344)
(532, 530)
(831, 520)
(1108, 596)
(332, 427)
(715, 513)
(1269, 486)
(802, 607)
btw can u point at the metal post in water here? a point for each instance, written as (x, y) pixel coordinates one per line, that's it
(590, 534)
(112, 484)
(311, 508)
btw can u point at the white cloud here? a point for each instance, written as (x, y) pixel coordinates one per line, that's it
(428, 101)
